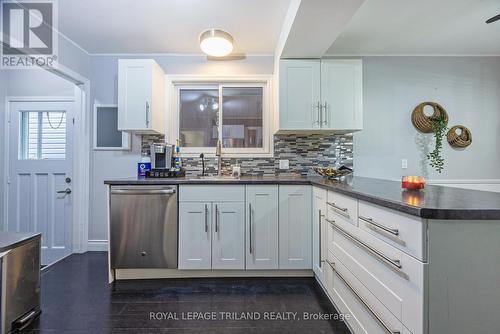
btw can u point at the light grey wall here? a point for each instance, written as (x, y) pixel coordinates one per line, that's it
(467, 87)
(38, 82)
(3, 87)
(118, 164)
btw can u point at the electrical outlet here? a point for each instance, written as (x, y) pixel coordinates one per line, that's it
(284, 164)
(404, 163)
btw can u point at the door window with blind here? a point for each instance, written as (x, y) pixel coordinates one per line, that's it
(42, 135)
(235, 114)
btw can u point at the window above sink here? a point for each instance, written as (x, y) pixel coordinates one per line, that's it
(235, 110)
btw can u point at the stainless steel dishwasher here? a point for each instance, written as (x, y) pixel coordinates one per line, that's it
(143, 230)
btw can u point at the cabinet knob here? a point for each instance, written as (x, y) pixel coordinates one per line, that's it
(143, 253)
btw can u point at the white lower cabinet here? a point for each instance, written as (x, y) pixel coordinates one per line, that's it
(362, 310)
(195, 239)
(228, 236)
(245, 227)
(295, 232)
(262, 227)
(211, 227)
(393, 277)
(319, 233)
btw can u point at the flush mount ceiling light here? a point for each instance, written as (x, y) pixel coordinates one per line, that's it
(216, 43)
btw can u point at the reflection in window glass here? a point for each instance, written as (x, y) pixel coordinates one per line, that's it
(242, 117)
(43, 135)
(199, 117)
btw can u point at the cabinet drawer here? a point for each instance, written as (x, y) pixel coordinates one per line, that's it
(342, 207)
(393, 277)
(211, 193)
(402, 231)
(364, 312)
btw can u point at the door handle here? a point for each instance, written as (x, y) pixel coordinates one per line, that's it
(324, 109)
(250, 224)
(320, 260)
(66, 191)
(216, 219)
(147, 114)
(206, 218)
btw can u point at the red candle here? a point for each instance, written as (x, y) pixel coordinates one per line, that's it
(413, 182)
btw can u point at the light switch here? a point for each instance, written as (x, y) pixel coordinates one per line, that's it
(284, 164)
(404, 163)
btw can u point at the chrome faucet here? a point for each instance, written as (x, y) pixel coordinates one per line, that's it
(218, 154)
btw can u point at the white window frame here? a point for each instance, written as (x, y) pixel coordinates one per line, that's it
(177, 82)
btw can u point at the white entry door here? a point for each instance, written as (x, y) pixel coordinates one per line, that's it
(40, 174)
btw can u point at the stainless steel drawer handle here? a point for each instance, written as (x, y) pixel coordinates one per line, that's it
(343, 211)
(382, 227)
(332, 222)
(394, 264)
(376, 316)
(142, 191)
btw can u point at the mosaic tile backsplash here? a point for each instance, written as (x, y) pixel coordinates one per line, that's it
(303, 152)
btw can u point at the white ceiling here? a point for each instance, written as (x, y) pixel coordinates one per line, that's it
(421, 27)
(170, 26)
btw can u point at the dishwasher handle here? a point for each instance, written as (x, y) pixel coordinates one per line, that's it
(169, 191)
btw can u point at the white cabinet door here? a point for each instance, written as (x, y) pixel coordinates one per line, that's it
(299, 94)
(262, 227)
(141, 96)
(228, 235)
(342, 94)
(195, 235)
(295, 227)
(319, 232)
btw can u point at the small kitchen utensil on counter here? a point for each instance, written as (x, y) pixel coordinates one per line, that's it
(236, 171)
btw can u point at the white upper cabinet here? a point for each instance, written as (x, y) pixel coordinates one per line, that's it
(299, 94)
(141, 96)
(324, 95)
(342, 94)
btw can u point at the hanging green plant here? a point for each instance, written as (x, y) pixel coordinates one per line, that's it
(439, 128)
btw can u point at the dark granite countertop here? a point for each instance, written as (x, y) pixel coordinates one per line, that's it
(434, 202)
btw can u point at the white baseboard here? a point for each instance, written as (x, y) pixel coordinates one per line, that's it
(97, 246)
(176, 273)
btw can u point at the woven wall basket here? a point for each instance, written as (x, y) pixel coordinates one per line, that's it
(461, 140)
(423, 122)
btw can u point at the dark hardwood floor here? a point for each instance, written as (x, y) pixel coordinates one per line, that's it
(76, 298)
